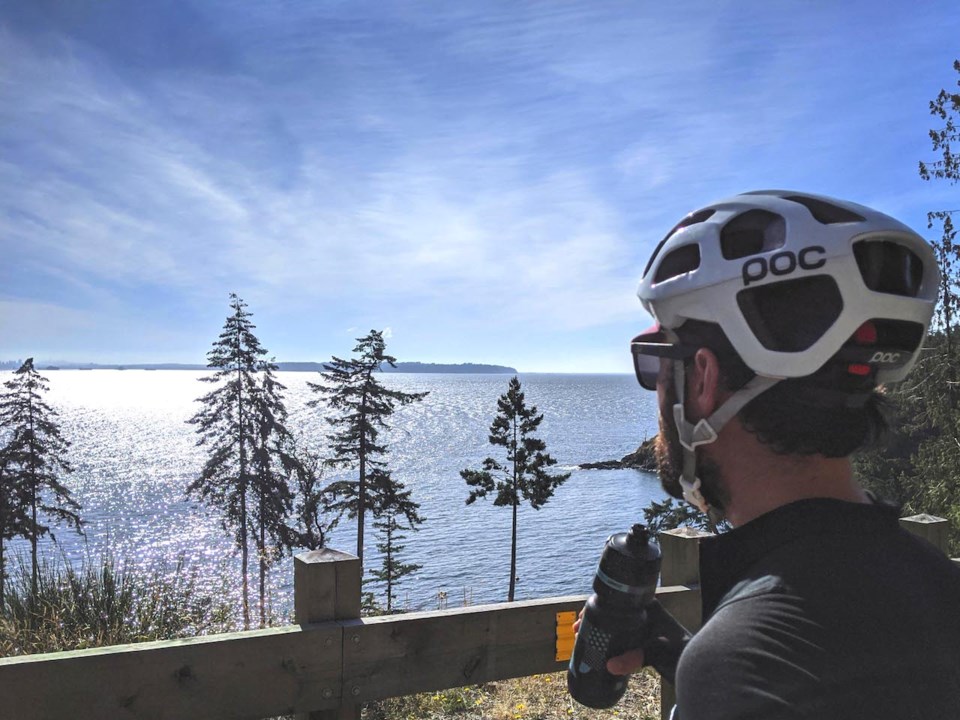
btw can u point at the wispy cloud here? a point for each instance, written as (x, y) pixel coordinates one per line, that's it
(480, 172)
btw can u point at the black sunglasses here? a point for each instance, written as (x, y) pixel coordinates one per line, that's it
(648, 348)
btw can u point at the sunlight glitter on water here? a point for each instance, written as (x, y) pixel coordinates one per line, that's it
(134, 455)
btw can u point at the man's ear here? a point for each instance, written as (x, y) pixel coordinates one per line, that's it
(703, 385)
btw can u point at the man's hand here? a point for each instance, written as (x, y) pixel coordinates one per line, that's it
(624, 664)
(629, 662)
(663, 652)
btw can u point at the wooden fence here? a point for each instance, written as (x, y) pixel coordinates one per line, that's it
(332, 660)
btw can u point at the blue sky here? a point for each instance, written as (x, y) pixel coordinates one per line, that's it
(484, 179)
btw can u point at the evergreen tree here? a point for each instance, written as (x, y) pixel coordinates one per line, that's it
(362, 406)
(33, 459)
(672, 513)
(946, 107)
(14, 507)
(524, 476)
(311, 526)
(400, 515)
(241, 424)
(918, 467)
(932, 395)
(274, 460)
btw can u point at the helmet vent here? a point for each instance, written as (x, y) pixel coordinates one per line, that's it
(824, 212)
(691, 219)
(684, 259)
(899, 334)
(888, 267)
(790, 316)
(752, 232)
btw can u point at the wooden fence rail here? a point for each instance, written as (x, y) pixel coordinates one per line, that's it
(326, 665)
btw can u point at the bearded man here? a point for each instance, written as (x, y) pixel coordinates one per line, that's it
(780, 316)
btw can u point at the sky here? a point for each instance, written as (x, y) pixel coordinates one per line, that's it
(484, 181)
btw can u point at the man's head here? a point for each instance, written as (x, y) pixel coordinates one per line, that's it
(806, 303)
(669, 452)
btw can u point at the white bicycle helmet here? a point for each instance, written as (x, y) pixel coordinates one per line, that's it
(794, 281)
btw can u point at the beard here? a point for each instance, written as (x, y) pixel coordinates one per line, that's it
(669, 456)
(668, 453)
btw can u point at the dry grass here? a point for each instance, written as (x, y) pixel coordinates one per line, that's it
(539, 697)
(104, 603)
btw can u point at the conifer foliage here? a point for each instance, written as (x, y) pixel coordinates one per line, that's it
(918, 467)
(274, 460)
(311, 524)
(524, 475)
(401, 514)
(945, 141)
(14, 519)
(32, 459)
(361, 406)
(242, 423)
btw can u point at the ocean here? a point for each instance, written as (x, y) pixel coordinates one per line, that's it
(134, 454)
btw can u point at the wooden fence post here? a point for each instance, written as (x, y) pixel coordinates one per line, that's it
(931, 528)
(326, 586)
(680, 565)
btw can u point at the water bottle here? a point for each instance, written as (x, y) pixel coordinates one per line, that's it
(615, 617)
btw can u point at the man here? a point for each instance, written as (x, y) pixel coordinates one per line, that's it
(779, 315)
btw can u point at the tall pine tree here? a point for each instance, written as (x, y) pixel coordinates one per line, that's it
(34, 458)
(524, 476)
(274, 460)
(361, 406)
(241, 423)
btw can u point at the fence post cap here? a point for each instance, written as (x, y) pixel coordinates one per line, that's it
(923, 518)
(324, 555)
(687, 532)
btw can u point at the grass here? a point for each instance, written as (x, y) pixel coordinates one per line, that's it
(103, 602)
(538, 697)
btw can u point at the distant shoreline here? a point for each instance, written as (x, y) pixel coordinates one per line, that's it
(402, 367)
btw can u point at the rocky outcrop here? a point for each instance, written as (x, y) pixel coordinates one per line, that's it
(643, 458)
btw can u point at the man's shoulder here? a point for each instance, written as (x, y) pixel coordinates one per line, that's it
(822, 562)
(828, 623)
(759, 655)
(759, 615)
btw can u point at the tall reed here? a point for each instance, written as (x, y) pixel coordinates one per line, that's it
(103, 602)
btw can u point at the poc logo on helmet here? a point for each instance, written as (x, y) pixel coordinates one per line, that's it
(783, 263)
(885, 358)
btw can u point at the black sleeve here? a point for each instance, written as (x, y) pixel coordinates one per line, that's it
(666, 640)
(755, 658)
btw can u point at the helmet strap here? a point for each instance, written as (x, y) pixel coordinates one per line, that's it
(706, 429)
